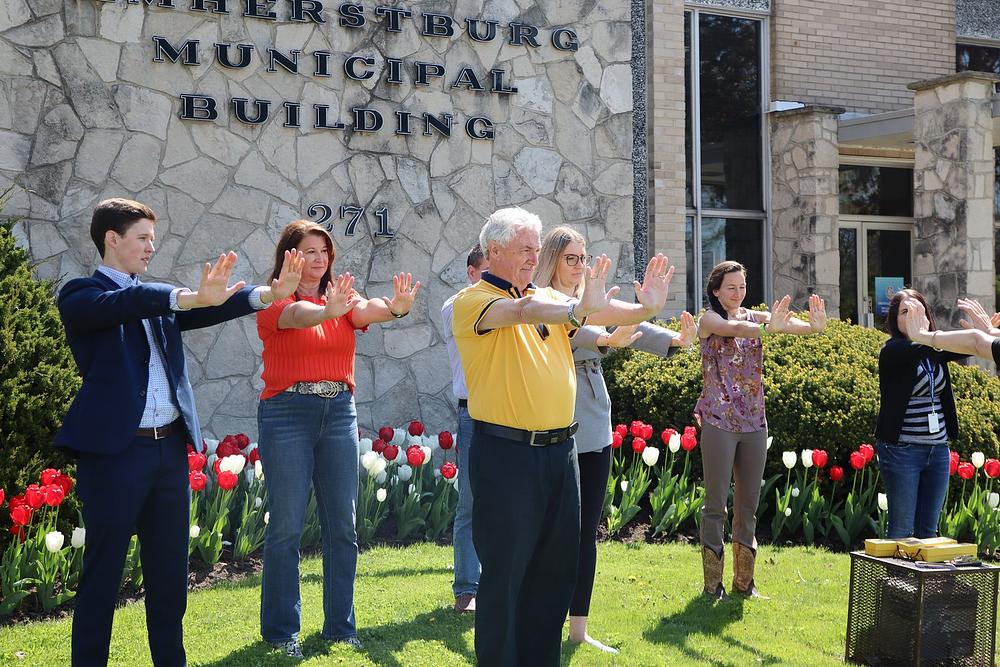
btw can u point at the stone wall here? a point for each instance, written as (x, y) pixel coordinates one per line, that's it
(86, 113)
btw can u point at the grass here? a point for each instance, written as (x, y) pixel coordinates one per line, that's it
(646, 603)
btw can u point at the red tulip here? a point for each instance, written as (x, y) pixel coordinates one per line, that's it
(53, 495)
(390, 452)
(857, 460)
(445, 440)
(34, 496)
(65, 482)
(20, 515)
(867, 451)
(48, 476)
(449, 470)
(621, 429)
(378, 445)
(415, 428)
(1, 496)
(966, 470)
(953, 463)
(689, 440)
(666, 435)
(836, 473)
(647, 431)
(217, 466)
(242, 440)
(992, 468)
(196, 461)
(386, 433)
(638, 444)
(227, 447)
(197, 480)
(19, 533)
(415, 456)
(254, 456)
(819, 458)
(616, 440)
(227, 480)
(635, 428)
(190, 448)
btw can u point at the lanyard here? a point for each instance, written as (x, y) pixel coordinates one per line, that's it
(928, 367)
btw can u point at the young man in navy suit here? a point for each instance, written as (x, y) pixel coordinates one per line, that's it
(132, 418)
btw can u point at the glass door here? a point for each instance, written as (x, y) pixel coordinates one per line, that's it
(876, 260)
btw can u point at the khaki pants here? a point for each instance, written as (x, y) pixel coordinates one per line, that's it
(731, 456)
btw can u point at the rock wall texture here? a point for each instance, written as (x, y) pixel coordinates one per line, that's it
(86, 112)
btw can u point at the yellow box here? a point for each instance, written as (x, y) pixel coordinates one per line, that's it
(910, 546)
(881, 548)
(942, 552)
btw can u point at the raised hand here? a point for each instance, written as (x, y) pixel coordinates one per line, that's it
(916, 318)
(978, 319)
(214, 288)
(291, 272)
(340, 296)
(404, 291)
(817, 313)
(689, 331)
(624, 336)
(652, 294)
(780, 314)
(594, 279)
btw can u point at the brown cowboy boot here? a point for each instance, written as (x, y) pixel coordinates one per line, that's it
(712, 564)
(744, 559)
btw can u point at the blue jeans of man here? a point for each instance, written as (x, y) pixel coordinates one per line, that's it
(916, 481)
(307, 438)
(467, 566)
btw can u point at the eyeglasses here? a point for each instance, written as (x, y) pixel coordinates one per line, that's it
(572, 260)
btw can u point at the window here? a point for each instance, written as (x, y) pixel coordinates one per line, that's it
(866, 190)
(973, 58)
(724, 80)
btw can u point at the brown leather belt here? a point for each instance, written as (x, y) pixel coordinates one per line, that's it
(161, 432)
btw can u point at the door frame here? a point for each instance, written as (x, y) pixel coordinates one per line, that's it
(863, 224)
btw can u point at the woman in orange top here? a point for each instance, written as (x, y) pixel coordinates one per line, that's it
(308, 430)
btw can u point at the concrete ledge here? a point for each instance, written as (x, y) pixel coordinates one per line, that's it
(952, 78)
(807, 109)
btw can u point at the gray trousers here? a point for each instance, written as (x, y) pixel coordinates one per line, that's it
(731, 456)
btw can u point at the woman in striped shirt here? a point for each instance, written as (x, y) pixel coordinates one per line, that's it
(916, 420)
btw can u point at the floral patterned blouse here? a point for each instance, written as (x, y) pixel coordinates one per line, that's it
(732, 397)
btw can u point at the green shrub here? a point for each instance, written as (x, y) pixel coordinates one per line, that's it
(38, 376)
(822, 392)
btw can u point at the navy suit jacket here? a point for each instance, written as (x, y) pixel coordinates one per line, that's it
(104, 329)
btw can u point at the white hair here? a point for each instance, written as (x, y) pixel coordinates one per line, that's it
(503, 225)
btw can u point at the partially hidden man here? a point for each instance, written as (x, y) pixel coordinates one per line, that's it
(133, 417)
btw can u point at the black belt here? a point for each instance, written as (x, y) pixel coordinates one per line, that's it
(521, 436)
(463, 403)
(160, 432)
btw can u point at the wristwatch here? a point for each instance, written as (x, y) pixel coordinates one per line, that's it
(571, 312)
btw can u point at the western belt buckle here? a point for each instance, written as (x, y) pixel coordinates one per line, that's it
(328, 388)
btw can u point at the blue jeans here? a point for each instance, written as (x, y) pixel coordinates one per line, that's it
(467, 567)
(916, 481)
(303, 438)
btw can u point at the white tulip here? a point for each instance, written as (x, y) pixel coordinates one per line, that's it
(807, 458)
(427, 454)
(377, 466)
(674, 444)
(795, 492)
(650, 455)
(414, 440)
(405, 472)
(978, 459)
(210, 446)
(364, 445)
(234, 463)
(258, 469)
(769, 439)
(788, 511)
(267, 517)
(430, 442)
(78, 538)
(367, 459)
(994, 500)
(398, 437)
(195, 531)
(257, 502)
(381, 495)
(624, 485)
(883, 502)
(789, 459)
(380, 478)
(54, 541)
(412, 489)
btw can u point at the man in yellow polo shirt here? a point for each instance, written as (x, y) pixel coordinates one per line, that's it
(514, 344)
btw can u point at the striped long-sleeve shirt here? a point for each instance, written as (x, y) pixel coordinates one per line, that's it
(923, 403)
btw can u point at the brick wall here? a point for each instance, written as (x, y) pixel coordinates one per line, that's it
(665, 67)
(859, 54)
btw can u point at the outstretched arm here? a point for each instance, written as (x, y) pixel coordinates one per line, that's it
(970, 341)
(384, 309)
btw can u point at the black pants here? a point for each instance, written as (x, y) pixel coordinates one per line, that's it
(595, 467)
(142, 490)
(526, 529)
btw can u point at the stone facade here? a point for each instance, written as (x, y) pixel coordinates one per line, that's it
(953, 192)
(804, 205)
(86, 113)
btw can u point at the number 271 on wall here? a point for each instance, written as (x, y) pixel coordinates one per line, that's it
(322, 213)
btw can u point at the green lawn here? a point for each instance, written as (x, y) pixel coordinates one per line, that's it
(647, 603)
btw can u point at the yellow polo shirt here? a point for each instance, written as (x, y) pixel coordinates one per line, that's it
(516, 376)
